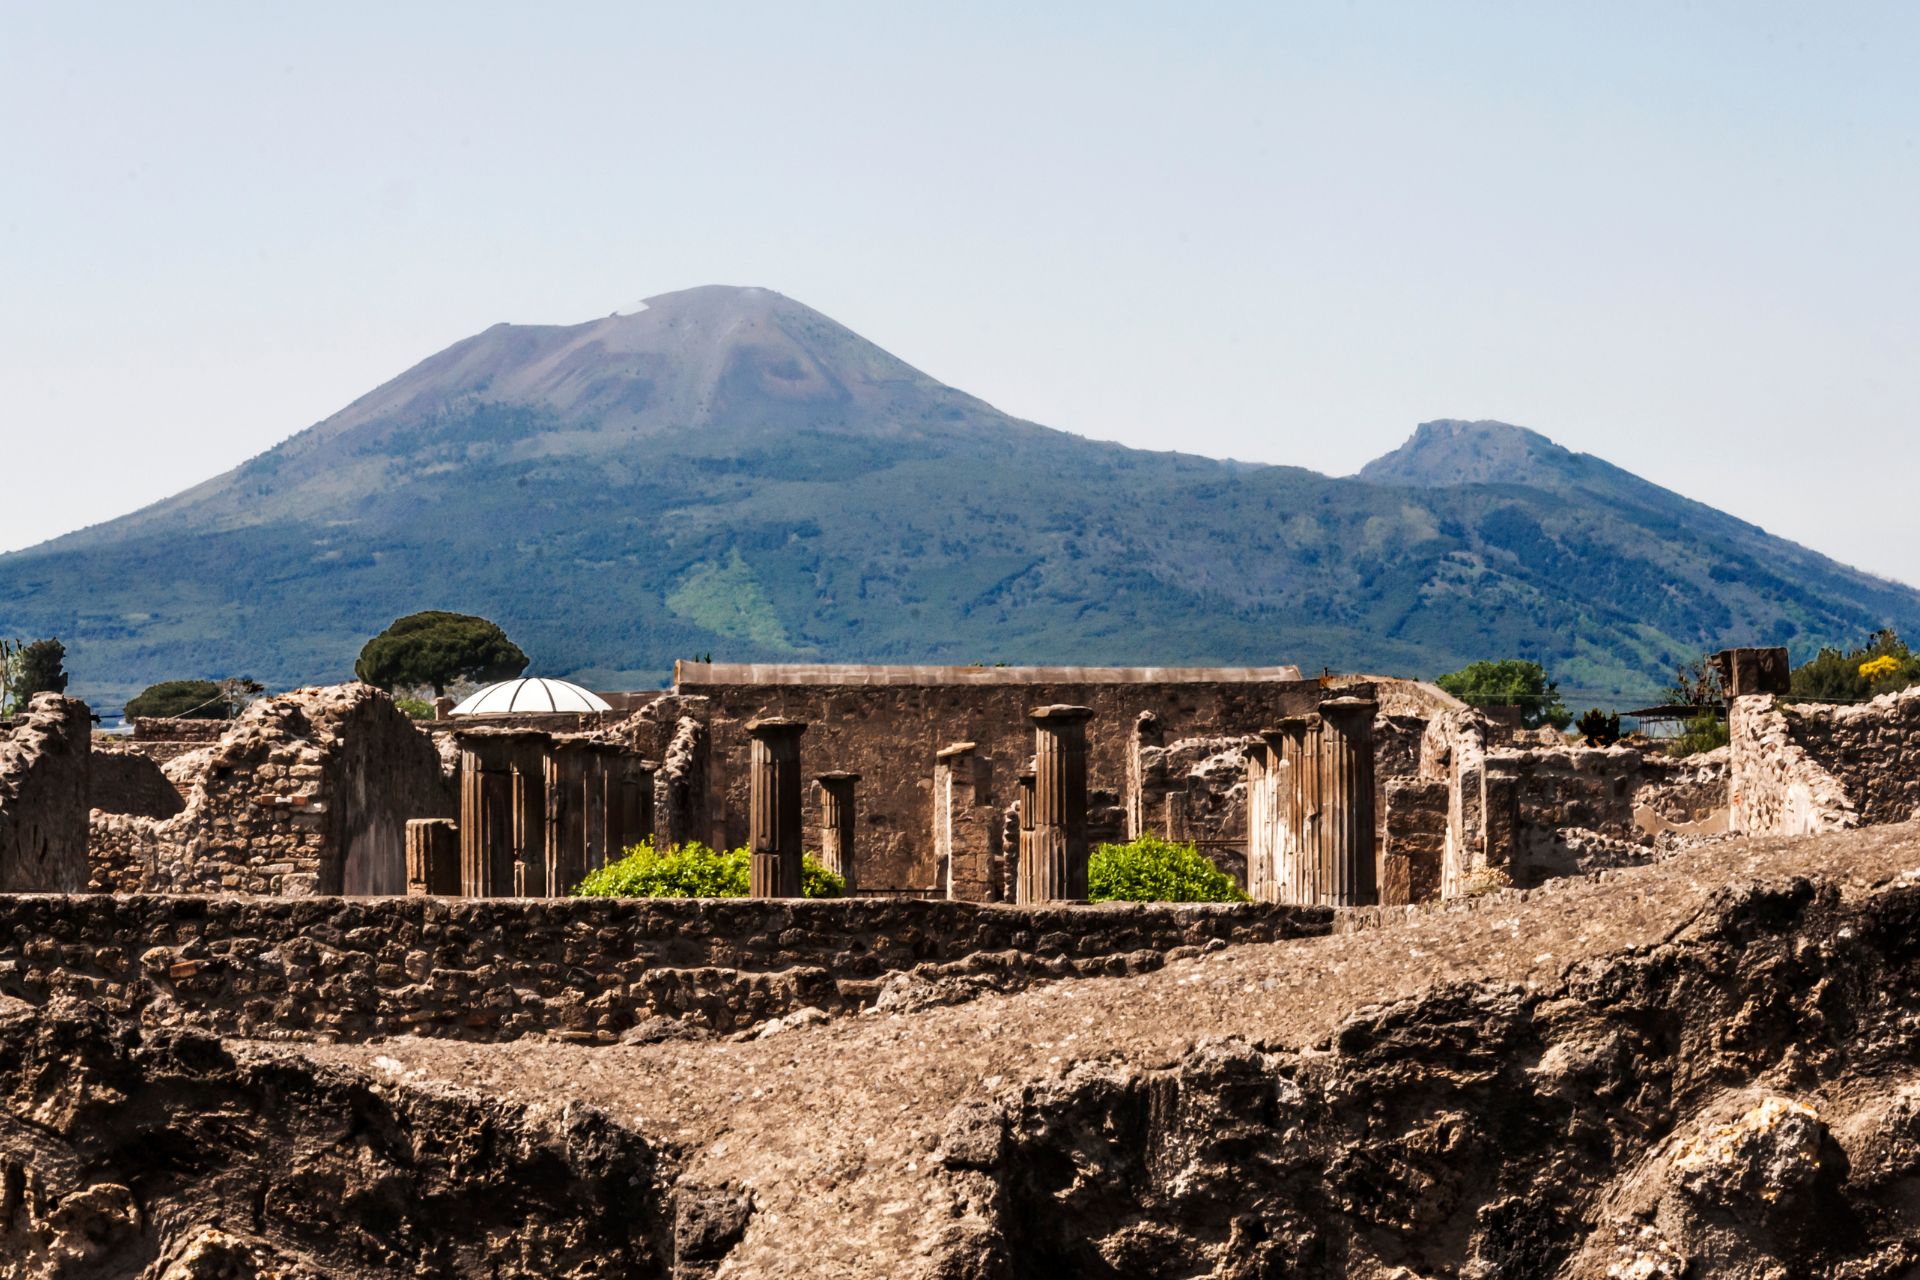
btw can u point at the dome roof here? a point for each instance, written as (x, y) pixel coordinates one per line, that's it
(531, 696)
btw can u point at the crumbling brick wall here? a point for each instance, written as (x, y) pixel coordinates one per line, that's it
(126, 779)
(1797, 768)
(1192, 790)
(305, 793)
(45, 766)
(1519, 816)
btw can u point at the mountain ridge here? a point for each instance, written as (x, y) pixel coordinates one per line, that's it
(730, 471)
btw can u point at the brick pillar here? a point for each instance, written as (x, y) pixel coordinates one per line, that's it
(774, 817)
(1348, 872)
(433, 856)
(1055, 869)
(965, 839)
(837, 832)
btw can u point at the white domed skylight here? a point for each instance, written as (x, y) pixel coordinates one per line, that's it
(531, 696)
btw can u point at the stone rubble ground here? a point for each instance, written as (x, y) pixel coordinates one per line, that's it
(834, 1127)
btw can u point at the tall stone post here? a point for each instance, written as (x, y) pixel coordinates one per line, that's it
(529, 818)
(1265, 819)
(1294, 797)
(433, 856)
(837, 816)
(1055, 869)
(774, 802)
(1023, 809)
(965, 841)
(1347, 830)
(486, 815)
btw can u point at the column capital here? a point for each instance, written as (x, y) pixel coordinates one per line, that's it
(776, 726)
(1060, 713)
(836, 776)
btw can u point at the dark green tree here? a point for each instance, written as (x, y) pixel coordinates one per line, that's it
(39, 667)
(1510, 682)
(435, 649)
(181, 699)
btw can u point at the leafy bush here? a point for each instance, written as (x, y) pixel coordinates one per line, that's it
(1883, 664)
(1154, 870)
(693, 871)
(1704, 732)
(414, 708)
(1510, 682)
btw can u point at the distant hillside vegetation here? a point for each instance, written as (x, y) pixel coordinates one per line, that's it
(728, 471)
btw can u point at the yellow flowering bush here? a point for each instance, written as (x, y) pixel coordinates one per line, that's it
(1875, 668)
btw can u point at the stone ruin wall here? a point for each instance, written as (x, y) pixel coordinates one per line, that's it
(1522, 815)
(45, 759)
(581, 969)
(305, 793)
(891, 734)
(1802, 767)
(127, 779)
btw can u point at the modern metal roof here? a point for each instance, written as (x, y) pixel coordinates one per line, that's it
(531, 696)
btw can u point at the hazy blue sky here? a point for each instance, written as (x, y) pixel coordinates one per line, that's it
(1686, 238)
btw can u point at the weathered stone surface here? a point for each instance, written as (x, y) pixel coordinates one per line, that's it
(45, 777)
(488, 968)
(309, 792)
(1054, 867)
(254, 1165)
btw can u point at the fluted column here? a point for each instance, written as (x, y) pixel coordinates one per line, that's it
(1292, 792)
(1350, 878)
(837, 816)
(1264, 816)
(774, 818)
(1056, 866)
(530, 833)
(1023, 829)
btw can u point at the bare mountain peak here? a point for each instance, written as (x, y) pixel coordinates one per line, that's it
(1451, 451)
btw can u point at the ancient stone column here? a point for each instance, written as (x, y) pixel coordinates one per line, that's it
(486, 816)
(1023, 818)
(774, 819)
(529, 817)
(1263, 817)
(1292, 790)
(965, 842)
(1055, 869)
(837, 826)
(1347, 831)
(433, 856)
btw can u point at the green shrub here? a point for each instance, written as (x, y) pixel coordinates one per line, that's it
(1154, 870)
(1704, 732)
(1884, 664)
(693, 871)
(414, 708)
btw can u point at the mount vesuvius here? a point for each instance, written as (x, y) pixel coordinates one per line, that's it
(729, 471)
